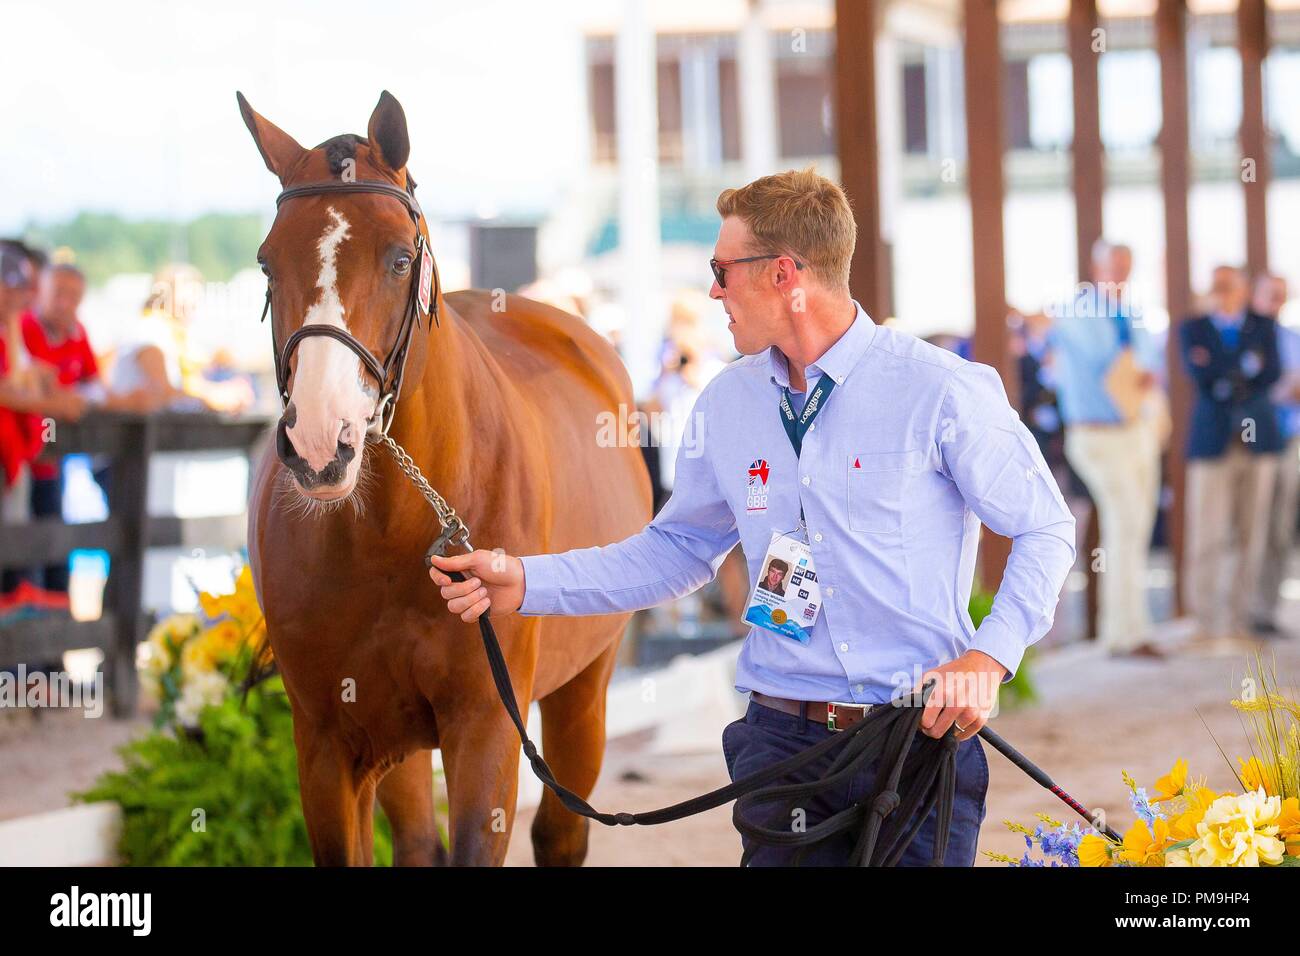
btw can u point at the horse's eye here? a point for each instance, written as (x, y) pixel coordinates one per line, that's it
(403, 265)
(266, 270)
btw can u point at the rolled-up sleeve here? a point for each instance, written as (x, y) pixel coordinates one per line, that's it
(1001, 474)
(676, 553)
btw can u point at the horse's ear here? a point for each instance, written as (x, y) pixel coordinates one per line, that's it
(279, 150)
(387, 132)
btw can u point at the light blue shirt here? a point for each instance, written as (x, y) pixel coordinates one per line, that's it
(914, 447)
(1288, 347)
(1084, 341)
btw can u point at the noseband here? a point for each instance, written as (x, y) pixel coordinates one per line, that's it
(425, 287)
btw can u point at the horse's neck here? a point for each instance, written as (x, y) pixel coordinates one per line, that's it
(449, 425)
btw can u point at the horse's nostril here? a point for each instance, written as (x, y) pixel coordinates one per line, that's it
(283, 446)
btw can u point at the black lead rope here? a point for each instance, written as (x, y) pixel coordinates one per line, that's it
(897, 799)
(915, 773)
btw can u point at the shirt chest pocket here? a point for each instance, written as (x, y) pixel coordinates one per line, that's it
(878, 488)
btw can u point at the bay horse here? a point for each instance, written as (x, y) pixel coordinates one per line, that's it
(499, 407)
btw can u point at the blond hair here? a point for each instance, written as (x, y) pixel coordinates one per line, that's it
(800, 214)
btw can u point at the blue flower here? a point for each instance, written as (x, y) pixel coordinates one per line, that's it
(1142, 807)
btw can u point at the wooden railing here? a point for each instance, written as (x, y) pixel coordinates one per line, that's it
(128, 441)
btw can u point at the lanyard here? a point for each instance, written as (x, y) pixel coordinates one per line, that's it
(796, 428)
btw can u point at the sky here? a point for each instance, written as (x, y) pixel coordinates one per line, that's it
(130, 106)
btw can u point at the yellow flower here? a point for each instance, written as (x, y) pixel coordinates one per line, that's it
(1094, 850)
(1172, 783)
(1142, 847)
(166, 639)
(1240, 831)
(1178, 858)
(1289, 825)
(1197, 801)
(241, 605)
(1256, 775)
(198, 657)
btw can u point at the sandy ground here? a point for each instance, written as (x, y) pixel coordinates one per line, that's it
(1095, 717)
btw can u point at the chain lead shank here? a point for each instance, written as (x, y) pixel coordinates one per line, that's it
(454, 529)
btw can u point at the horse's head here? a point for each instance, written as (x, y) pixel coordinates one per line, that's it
(344, 258)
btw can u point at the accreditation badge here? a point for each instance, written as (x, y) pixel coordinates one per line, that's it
(787, 598)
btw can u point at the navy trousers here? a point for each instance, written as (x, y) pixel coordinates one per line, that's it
(765, 736)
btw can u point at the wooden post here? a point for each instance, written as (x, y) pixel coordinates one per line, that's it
(128, 501)
(857, 146)
(1175, 180)
(1089, 185)
(1089, 177)
(984, 146)
(1252, 41)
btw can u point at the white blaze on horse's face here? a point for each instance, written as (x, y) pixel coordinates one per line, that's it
(330, 394)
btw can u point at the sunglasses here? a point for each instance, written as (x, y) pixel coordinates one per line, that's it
(719, 266)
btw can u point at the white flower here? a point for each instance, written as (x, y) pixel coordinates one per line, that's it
(1240, 831)
(201, 690)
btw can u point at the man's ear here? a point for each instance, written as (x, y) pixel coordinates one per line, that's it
(279, 150)
(387, 132)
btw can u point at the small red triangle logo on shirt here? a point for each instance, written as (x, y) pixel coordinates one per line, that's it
(857, 463)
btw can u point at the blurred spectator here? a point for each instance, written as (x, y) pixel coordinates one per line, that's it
(688, 362)
(155, 360)
(1270, 295)
(1233, 448)
(54, 337)
(28, 395)
(1103, 369)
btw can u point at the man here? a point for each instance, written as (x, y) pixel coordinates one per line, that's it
(1234, 445)
(54, 336)
(776, 571)
(1269, 297)
(893, 472)
(1117, 456)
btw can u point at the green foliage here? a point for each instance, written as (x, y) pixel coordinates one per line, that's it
(1020, 689)
(218, 244)
(240, 769)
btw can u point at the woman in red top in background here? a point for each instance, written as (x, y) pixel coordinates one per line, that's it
(28, 394)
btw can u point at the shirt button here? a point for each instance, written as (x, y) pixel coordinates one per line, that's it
(830, 592)
(844, 646)
(806, 479)
(857, 688)
(817, 536)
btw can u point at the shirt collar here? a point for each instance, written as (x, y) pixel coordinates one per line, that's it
(838, 360)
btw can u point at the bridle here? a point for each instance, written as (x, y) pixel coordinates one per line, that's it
(425, 288)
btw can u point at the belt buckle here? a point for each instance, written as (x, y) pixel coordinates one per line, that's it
(832, 712)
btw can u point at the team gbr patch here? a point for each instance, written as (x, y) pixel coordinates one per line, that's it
(756, 498)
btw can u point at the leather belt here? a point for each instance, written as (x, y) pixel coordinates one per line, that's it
(834, 715)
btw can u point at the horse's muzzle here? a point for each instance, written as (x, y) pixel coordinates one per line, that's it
(309, 478)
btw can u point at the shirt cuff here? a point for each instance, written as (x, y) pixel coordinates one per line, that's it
(999, 642)
(541, 593)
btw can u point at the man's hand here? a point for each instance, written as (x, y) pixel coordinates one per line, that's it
(492, 579)
(65, 404)
(965, 693)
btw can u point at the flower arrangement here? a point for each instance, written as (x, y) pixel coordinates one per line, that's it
(1188, 824)
(192, 661)
(215, 783)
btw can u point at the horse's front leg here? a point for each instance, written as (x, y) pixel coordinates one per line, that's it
(330, 797)
(480, 758)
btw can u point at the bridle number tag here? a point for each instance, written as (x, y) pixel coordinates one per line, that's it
(426, 278)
